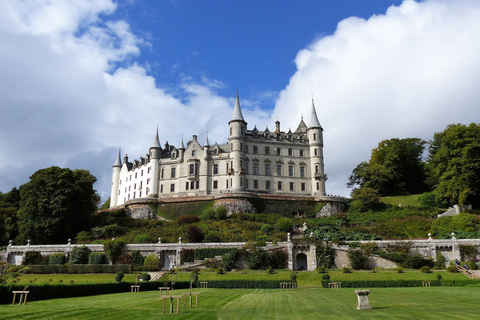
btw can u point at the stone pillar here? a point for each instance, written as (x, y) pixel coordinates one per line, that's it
(313, 255)
(290, 252)
(363, 303)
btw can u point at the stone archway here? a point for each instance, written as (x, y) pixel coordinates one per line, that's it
(301, 261)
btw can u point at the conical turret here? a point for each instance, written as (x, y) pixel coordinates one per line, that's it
(314, 123)
(237, 111)
(118, 162)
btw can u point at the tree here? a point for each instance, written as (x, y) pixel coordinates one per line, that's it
(454, 164)
(395, 167)
(55, 205)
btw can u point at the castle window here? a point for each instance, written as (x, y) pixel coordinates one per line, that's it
(317, 168)
(267, 150)
(192, 169)
(192, 185)
(186, 185)
(130, 177)
(129, 188)
(135, 175)
(255, 184)
(215, 168)
(162, 173)
(246, 183)
(125, 189)
(304, 186)
(172, 188)
(120, 182)
(267, 185)
(290, 171)
(316, 152)
(148, 170)
(255, 168)
(241, 146)
(246, 167)
(129, 196)
(301, 153)
(241, 182)
(118, 192)
(279, 169)
(318, 186)
(161, 188)
(302, 172)
(216, 151)
(290, 152)
(246, 148)
(291, 186)
(267, 169)
(227, 168)
(226, 183)
(279, 151)
(314, 136)
(230, 131)
(135, 186)
(255, 149)
(197, 185)
(141, 184)
(141, 173)
(215, 184)
(148, 180)
(140, 194)
(279, 185)
(193, 153)
(173, 172)
(134, 195)
(148, 189)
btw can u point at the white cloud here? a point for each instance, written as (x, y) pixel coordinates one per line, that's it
(407, 73)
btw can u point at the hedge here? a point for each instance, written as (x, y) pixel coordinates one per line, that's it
(201, 254)
(80, 268)
(400, 283)
(244, 284)
(54, 291)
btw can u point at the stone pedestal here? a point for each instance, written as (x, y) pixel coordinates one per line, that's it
(363, 303)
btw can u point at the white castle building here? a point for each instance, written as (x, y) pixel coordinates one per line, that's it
(263, 162)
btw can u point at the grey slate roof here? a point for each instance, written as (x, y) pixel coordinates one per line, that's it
(314, 123)
(156, 142)
(118, 163)
(237, 111)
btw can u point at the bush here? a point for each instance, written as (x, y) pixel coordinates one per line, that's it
(346, 270)
(137, 259)
(278, 259)
(191, 218)
(212, 263)
(470, 264)
(97, 258)
(194, 277)
(152, 263)
(187, 255)
(439, 277)
(258, 260)
(221, 213)
(201, 254)
(270, 270)
(141, 238)
(428, 200)
(326, 277)
(125, 258)
(266, 229)
(212, 236)
(416, 262)
(325, 255)
(284, 224)
(452, 269)
(194, 234)
(321, 269)
(425, 269)
(33, 258)
(57, 258)
(209, 214)
(293, 277)
(468, 252)
(358, 259)
(114, 230)
(145, 276)
(113, 249)
(229, 261)
(399, 270)
(79, 268)
(79, 255)
(119, 276)
(440, 263)
(220, 270)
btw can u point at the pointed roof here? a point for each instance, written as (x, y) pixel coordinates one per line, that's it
(156, 142)
(118, 163)
(302, 127)
(314, 123)
(182, 146)
(206, 142)
(237, 111)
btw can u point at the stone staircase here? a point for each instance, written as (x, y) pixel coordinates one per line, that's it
(155, 276)
(472, 274)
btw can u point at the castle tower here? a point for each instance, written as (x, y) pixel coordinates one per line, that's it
(236, 139)
(117, 166)
(315, 141)
(181, 151)
(155, 155)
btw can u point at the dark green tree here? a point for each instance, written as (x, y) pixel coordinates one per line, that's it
(395, 168)
(55, 205)
(454, 164)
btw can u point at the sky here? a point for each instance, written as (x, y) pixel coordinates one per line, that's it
(81, 79)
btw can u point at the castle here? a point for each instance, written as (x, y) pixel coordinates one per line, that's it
(289, 164)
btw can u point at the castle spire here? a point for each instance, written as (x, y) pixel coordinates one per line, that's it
(118, 163)
(314, 123)
(182, 146)
(237, 111)
(156, 142)
(206, 142)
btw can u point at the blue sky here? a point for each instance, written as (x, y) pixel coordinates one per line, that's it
(79, 79)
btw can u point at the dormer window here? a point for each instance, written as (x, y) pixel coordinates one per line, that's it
(193, 153)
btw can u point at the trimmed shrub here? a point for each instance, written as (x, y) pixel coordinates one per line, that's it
(142, 238)
(416, 262)
(293, 277)
(439, 277)
(119, 276)
(221, 213)
(113, 249)
(137, 258)
(194, 234)
(326, 277)
(57, 258)
(145, 276)
(440, 263)
(284, 224)
(425, 269)
(358, 259)
(187, 255)
(278, 259)
(325, 255)
(212, 236)
(33, 258)
(399, 270)
(125, 258)
(321, 269)
(346, 270)
(79, 268)
(220, 270)
(452, 269)
(266, 229)
(258, 260)
(152, 263)
(97, 258)
(270, 270)
(209, 214)
(229, 260)
(79, 255)
(468, 252)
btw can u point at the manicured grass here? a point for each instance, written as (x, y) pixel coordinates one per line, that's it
(76, 278)
(387, 303)
(411, 200)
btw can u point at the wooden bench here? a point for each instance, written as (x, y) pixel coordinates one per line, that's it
(425, 283)
(21, 292)
(203, 284)
(288, 285)
(171, 303)
(334, 285)
(135, 288)
(166, 289)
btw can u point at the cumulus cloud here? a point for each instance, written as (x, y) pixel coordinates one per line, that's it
(406, 73)
(72, 94)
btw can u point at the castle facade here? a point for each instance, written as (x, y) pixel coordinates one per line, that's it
(262, 162)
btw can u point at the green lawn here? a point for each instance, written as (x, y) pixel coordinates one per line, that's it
(387, 303)
(411, 200)
(76, 278)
